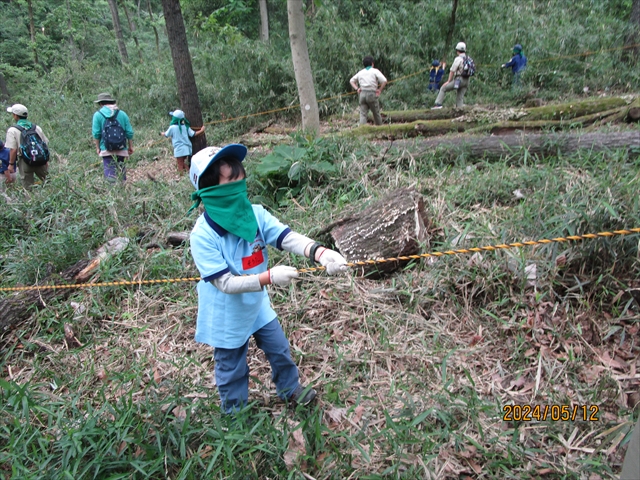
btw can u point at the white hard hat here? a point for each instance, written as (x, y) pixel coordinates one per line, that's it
(461, 47)
(207, 156)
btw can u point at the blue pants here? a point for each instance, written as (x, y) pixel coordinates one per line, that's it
(114, 168)
(232, 371)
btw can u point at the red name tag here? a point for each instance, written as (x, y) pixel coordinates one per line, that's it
(253, 261)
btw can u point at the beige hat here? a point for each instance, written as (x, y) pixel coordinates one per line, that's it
(104, 97)
(461, 47)
(18, 109)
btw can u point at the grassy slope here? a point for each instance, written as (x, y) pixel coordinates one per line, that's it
(413, 371)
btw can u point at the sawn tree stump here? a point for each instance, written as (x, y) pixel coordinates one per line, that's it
(393, 226)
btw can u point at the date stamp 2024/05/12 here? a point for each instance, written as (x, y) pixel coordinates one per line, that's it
(555, 413)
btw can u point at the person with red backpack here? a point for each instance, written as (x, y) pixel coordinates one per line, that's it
(462, 69)
(27, 146)
(113, 137)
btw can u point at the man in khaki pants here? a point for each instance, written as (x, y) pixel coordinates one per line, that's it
(369, 83)
(14, 135)
(456, 81)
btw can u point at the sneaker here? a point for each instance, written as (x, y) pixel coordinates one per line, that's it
(437, 107)
(302, 395)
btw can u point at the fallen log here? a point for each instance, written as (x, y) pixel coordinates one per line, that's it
(402, 130)
(633, 112)
(543, 145)
(572, 110)
(404, 116)
(19, 306)
(501, 128)
(393, 226)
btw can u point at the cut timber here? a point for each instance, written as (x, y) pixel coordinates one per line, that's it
(421, 127)
(404, 116)
(633, 113)
(536, 144)
(391, 227)
(178, 239)
(19, 306)
(572, 110)
(501, 128)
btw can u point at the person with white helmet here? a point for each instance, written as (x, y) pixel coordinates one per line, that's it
(456, 81)
(229, 247)
(180, 132)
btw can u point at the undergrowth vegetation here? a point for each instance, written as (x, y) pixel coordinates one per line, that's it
(413, 369)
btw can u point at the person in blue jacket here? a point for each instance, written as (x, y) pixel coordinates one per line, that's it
(6, 176)
(436, 72)
(517, 63)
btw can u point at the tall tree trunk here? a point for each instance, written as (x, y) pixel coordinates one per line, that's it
(302, 67)
(4, 91)
(72, 44)
(264, 21)
(155, 30)
(118, 30)
(187, 88)
(132, 28)
(632, 52)
(32, 31)
(452, 27)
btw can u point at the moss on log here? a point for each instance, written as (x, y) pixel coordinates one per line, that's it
(564, 111)
(419, 128)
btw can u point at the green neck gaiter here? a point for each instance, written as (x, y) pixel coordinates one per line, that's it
(229, 207)
(25, 123)
(180, 122)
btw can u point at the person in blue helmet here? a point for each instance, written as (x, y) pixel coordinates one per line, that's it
(518, 63)
(436, 72)
(229, 246)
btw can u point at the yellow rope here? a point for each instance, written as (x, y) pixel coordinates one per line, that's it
(362, 263)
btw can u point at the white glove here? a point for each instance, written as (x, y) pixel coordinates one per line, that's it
(333, 262)
(282, 275)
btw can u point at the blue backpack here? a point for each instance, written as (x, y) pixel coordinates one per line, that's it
(33, 150)
(113, 134)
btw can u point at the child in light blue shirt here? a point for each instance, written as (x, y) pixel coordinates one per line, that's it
(229, 246)
(179, 132)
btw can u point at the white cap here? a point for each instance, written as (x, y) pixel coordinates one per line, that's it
(177, 114)
(207, 156)
(18, 109)
(461, 47)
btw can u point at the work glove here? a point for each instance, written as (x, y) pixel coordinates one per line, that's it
(333, 262)
(282, 275)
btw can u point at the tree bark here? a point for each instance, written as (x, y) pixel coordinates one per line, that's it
(132, 28)
(155, 30)
(118, 31)
(394, 226)
(452, 27)
(4, 91)
(187, 88)
(536, 144)
(302, 67)
(264, 21)
(632, 51)
(32, 32)
(18, 307)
